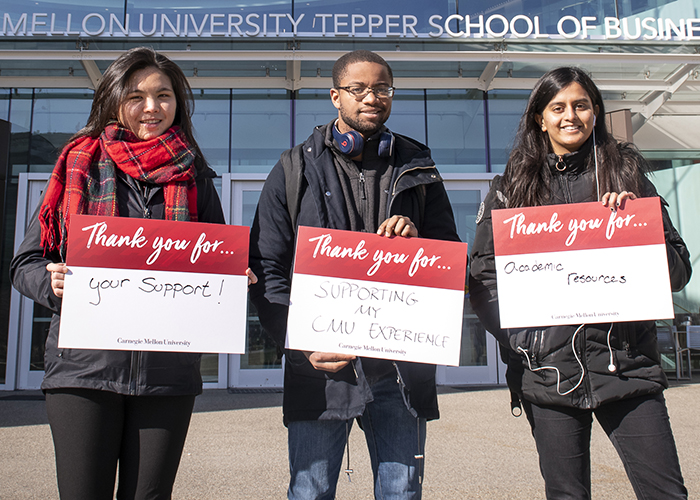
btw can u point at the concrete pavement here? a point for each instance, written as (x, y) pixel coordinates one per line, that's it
(236, 449)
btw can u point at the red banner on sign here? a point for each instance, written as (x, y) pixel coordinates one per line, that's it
(577, 226)
(370, 257)
(130, 243)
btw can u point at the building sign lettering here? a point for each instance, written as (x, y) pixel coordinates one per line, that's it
(256, 25)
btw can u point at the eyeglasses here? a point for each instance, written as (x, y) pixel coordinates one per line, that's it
(359, 93)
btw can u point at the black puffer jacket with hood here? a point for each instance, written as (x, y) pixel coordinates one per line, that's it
(311, 394)
(133, 373)
(632, 345)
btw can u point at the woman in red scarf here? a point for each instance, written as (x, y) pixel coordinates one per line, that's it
(136, 157)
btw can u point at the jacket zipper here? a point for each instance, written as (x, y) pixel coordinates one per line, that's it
(565, 189)
(134, 375)
(534, 347)
(584, 361)
(362, 204)
(136, 355)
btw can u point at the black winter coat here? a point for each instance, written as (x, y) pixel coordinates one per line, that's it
(311, 394)
(124, 372)
(633, 344)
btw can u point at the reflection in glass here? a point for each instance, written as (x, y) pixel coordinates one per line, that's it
(211, 122)
(678, 182)
(210, 368)
(250, 203)
(505, 109)
(261, 129)
(312, 108)
(261, 350)
(58, 114)
(473, 352)
(21, 120)
(465, 205)
(456, 130)
(5, 104)
(41, 321)
(16, 104)
(8, 225)
(408, 114)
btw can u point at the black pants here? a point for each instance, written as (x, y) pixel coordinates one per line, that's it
(93, 430)
(638, 428)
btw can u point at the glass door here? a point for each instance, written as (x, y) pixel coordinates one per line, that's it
(259, 366)
(479, 362)
(29, 322)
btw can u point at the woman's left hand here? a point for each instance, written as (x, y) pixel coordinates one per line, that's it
(617, 200)
(252, 279)
(398, 225)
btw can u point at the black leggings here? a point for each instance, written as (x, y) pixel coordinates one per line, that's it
(93, 430)
(638, 428)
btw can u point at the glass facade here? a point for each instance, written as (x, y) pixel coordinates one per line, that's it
(261, 73)
(246, 130)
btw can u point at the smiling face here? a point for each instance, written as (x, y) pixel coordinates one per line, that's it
(568, 119)
(150, 104)
(369, 114)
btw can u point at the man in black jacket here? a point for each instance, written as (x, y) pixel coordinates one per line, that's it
(351, 174)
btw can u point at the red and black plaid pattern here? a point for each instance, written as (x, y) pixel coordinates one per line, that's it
(84, 179)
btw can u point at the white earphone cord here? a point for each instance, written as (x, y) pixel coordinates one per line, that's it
(611, 367)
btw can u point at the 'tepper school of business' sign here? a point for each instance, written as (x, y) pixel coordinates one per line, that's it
(408, 26)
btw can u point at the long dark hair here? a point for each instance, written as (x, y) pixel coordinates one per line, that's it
(114, 86)
(526, 178)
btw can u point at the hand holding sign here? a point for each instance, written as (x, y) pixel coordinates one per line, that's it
(559, 264)
(359, 294)
(328, 361)
(617, 200)
(162, 285)
(398, 225)
(58, 272)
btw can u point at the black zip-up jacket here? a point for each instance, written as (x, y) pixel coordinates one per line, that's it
(311, 394)
(633, 344)
(124, 372)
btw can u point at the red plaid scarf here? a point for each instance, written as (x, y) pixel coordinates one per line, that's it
(84, 179)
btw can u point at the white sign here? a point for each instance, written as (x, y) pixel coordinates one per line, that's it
(367, 295)
(152, 285)
(581, 263)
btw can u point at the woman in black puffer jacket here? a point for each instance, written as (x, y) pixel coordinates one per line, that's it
(610, 370)
(136, 157)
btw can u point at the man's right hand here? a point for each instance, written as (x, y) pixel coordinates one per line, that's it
(328, 361)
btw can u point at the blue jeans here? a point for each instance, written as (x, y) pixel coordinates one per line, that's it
(395, 439)
(638, 428)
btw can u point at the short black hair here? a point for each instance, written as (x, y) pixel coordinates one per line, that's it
(356, 56)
